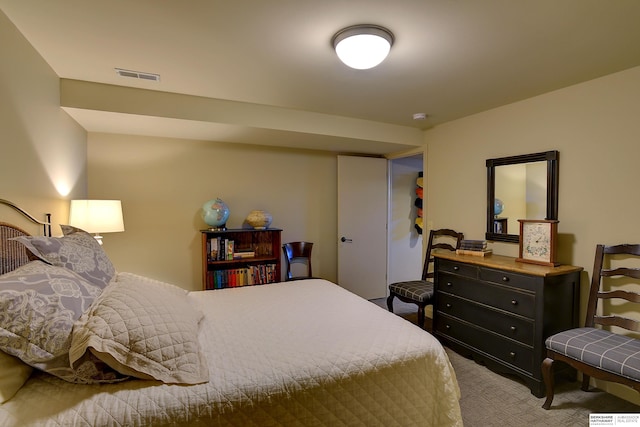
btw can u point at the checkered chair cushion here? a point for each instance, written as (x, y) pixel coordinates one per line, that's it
(415, 290)
(605, 350)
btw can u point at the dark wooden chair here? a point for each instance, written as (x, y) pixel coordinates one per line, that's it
(597, 351)
(420, 292)
(297, 252)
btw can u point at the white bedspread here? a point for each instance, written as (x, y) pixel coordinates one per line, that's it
(295, 353)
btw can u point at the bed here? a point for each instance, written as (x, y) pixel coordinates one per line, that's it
(293, 353)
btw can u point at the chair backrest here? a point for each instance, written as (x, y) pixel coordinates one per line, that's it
(615, 274)
(297, 252)
(443, 238)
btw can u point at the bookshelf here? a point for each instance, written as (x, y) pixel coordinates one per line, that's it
(240, 257)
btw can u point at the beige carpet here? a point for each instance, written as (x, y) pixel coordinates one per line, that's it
(491, 399)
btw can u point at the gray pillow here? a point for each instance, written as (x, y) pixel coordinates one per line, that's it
(77, 250)
(39, 304)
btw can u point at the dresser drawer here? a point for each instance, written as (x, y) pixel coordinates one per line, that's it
(503, 349)
(501, 297)
(466, 270)
(514, 327)
(507, 278)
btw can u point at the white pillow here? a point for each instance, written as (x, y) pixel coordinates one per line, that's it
(143, 328)
(13, 374)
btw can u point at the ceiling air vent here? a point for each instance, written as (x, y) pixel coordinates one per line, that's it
(138, 75)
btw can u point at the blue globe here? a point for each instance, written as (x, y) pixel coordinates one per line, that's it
(215, 213)
(498, 207)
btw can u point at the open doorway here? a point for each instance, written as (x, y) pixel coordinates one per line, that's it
(404, 255)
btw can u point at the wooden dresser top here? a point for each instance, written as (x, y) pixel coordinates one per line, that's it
(507, 263)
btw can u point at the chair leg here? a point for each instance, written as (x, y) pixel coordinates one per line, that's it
(585, 382)
(547, 376)
(390, 302)
(421, 316)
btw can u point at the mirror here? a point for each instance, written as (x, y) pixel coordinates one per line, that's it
(520, 187)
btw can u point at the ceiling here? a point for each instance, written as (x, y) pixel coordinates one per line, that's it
(242, 61)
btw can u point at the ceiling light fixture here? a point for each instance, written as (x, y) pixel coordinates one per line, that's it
(362, 46)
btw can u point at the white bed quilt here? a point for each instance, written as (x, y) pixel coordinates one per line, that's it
(299, 353)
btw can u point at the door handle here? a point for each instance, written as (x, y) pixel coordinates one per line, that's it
(344, 239)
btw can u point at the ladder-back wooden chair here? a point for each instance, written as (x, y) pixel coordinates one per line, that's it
(602, 349)
(420, 292)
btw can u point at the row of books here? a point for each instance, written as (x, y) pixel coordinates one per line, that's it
(235, 277)
(220, 249)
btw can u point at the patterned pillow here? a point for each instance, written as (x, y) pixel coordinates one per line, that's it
(77, 250)
(143, 328)
(39, 304)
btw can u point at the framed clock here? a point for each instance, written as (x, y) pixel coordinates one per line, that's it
(538, 240)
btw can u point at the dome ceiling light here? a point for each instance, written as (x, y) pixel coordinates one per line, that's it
(363, 46)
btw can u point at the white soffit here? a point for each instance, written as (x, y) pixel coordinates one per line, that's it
(220, 119)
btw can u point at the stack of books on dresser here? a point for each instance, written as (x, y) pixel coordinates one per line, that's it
(473, 247)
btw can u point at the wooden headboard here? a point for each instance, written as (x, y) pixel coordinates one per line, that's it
(12, 253)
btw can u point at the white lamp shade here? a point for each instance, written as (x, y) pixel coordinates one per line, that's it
(97, 216)
(363, 46)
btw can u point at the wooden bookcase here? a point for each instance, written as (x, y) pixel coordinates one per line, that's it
(253, 257)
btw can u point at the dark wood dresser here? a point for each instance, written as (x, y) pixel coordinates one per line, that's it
(500, 311)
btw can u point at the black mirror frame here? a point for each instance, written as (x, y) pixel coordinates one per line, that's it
(552, 159)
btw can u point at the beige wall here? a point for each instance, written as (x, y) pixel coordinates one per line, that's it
(43, 160)
(164, 182)
(596, 129)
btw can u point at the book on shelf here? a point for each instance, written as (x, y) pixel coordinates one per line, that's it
(213, 245)
(229, 249)
(220, 249)
(244, 254)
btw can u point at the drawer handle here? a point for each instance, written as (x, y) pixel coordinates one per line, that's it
(512, 355)
(448, 305)
(513, 329)
(505, 278)
(514, 302)
(447, 327)
(449, 284)
(456, 268)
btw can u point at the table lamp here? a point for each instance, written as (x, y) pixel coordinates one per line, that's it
(97, 216)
